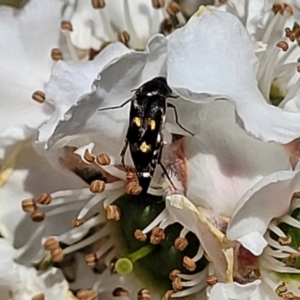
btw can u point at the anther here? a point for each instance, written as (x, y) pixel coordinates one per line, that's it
(51, 244)
(124, 37)
(283, 45)
(284, 241)
(28, 205)
(131, 176)
(281, 289)
(98, 3)
(173, 8)
(88, 156)
(120, 292)
(189, 264)
(87, 295)
(140, 236)
(66, 25)
(38, 297)
(181, 243)
(44, 199)
(133, 188)
(77, 222)
(91, 260)
(157, 235)
(39, 96)
(288, 296)
(278, 8)
(158, 3)
(103, 159)
(56, 54)
(37, 216)
(288, 9)
(289, 34)
(113, 212)
(57, 255)
(174, 274)
(177, 284)
(97, 186)
(168, 295)
(144, 294)
(211, 280)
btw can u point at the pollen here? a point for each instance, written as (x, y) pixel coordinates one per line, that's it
(152, 124)
(77, 222)
(157, 235)
(158, 3)
(97, 186)
(189, 264)
(98, 3)
(145, 148)
(283, 45)
(174, 274)
(211, 280)
(56, 54)
(103, 159)
(124, 37)
(168, 295)
(51, 244)
(91, 260)
(39, 96)
(37, 216)
(181, 243)
(137, 121)
(113, 212)
(44, 199)
(173, 8)
(88, 156)
(28, 205)
(144, 294)
(87, 295)
(140, 236)
(283, 241)
(177, 284)
(38, 297)
(133, 188)
(66, 25)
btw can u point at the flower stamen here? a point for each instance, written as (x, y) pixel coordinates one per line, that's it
(124, 37)
(144, 294)
(56, 54)
(98, 4)
(66, 25)
(38, 297)
(39, 96)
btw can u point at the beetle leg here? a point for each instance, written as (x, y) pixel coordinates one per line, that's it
(177, 120)
(122, 154)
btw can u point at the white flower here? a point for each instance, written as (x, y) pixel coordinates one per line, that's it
(96, 23)
(27, 36)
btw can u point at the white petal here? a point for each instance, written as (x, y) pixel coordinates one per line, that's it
(92, 27)
(207, 57)
(27, 282)
(272, 195)
(228, 164)
(30, 176)
(235, 291)
(255, 248)
(108, 128)
(27, 36)
(71, 80)
(183, 211)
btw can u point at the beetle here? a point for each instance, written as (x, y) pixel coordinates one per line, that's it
(144, 134)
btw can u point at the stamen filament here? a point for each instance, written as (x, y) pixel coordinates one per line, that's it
(156, 221)
(78, 233)
(90, 240)
(290, 220)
